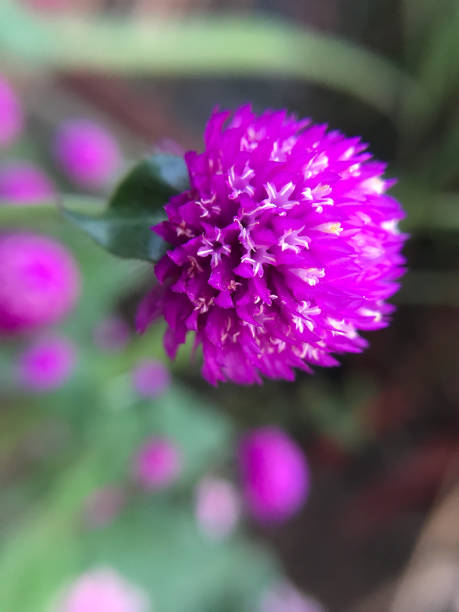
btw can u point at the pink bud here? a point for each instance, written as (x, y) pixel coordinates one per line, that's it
(11, 117)
(275, 474)
(111, 334)
(87, 153)
(39, 282)
(217, 507)
(24, 183)
(47, 363)
(103, 505)
(284, 597)
(103, 590)
(157, 464)
(151, 378)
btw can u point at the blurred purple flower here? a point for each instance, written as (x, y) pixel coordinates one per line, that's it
(275, 474)
(111, 334)
(283, 248)
(284, 597)
(103, 505)
(39, 282)
(47, 363)
(87, 153)
(24, 183)
(217, 507)
(151, 378)
(11, 116)
(103, 590)
(157, 464)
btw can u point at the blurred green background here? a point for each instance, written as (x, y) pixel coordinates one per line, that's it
(381, 433)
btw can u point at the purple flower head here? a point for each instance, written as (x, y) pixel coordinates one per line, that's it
(111, 334)
(103, 505)
(275, 474)
(87, 152)
(24, 183)
(102, 590)
(47, 363)
(284, 247)
(157, 464)
(11, 117)
(151, 378)
(284, 597)
(217, 507)
(39, 282)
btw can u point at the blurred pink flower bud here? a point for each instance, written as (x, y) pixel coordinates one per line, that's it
(275, 474)
(47, 363)
(111, 334)
(87, 153)
(11, 116)
(103, 590)
(39, 281)
(284, 597)
(103, 505)
(217, 507)
(151, 378)
(24, 183)
(157, 464)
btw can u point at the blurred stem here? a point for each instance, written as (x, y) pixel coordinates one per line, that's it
(12, 212)
(204, 46)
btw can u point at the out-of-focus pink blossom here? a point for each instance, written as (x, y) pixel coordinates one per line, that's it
(150, 378)
(23, 183)
(47, 363)
(87, 152)
(284, 597)
(157, 464)
(103, 590)
(103, 505)
(11, 115)
(217, 507)
(111, 334)
(39, 282)
(275, 474)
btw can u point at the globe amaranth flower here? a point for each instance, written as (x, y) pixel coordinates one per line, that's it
(87, 153)
(284, 247)
(11, 116)
(47, 363)
(284, 597)
(157, 464)
(217, 507)
(275, 474)
(150, 378)
(39, 282)
(24, 183)
(102, 589)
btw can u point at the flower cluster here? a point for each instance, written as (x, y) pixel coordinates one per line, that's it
(39, 282)
(275, 474)
(283, 248)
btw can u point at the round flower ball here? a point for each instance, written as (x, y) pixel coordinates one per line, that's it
(102, 590)
(39, 282)
(217, 507)
(274, 473)
(284, 248)
(157, 464)
(284, 597)
(46, 364)
(151, 378)
(11, 115)
(24, 183)
(87, 153)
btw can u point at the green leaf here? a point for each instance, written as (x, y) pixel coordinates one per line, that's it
(124, 227)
